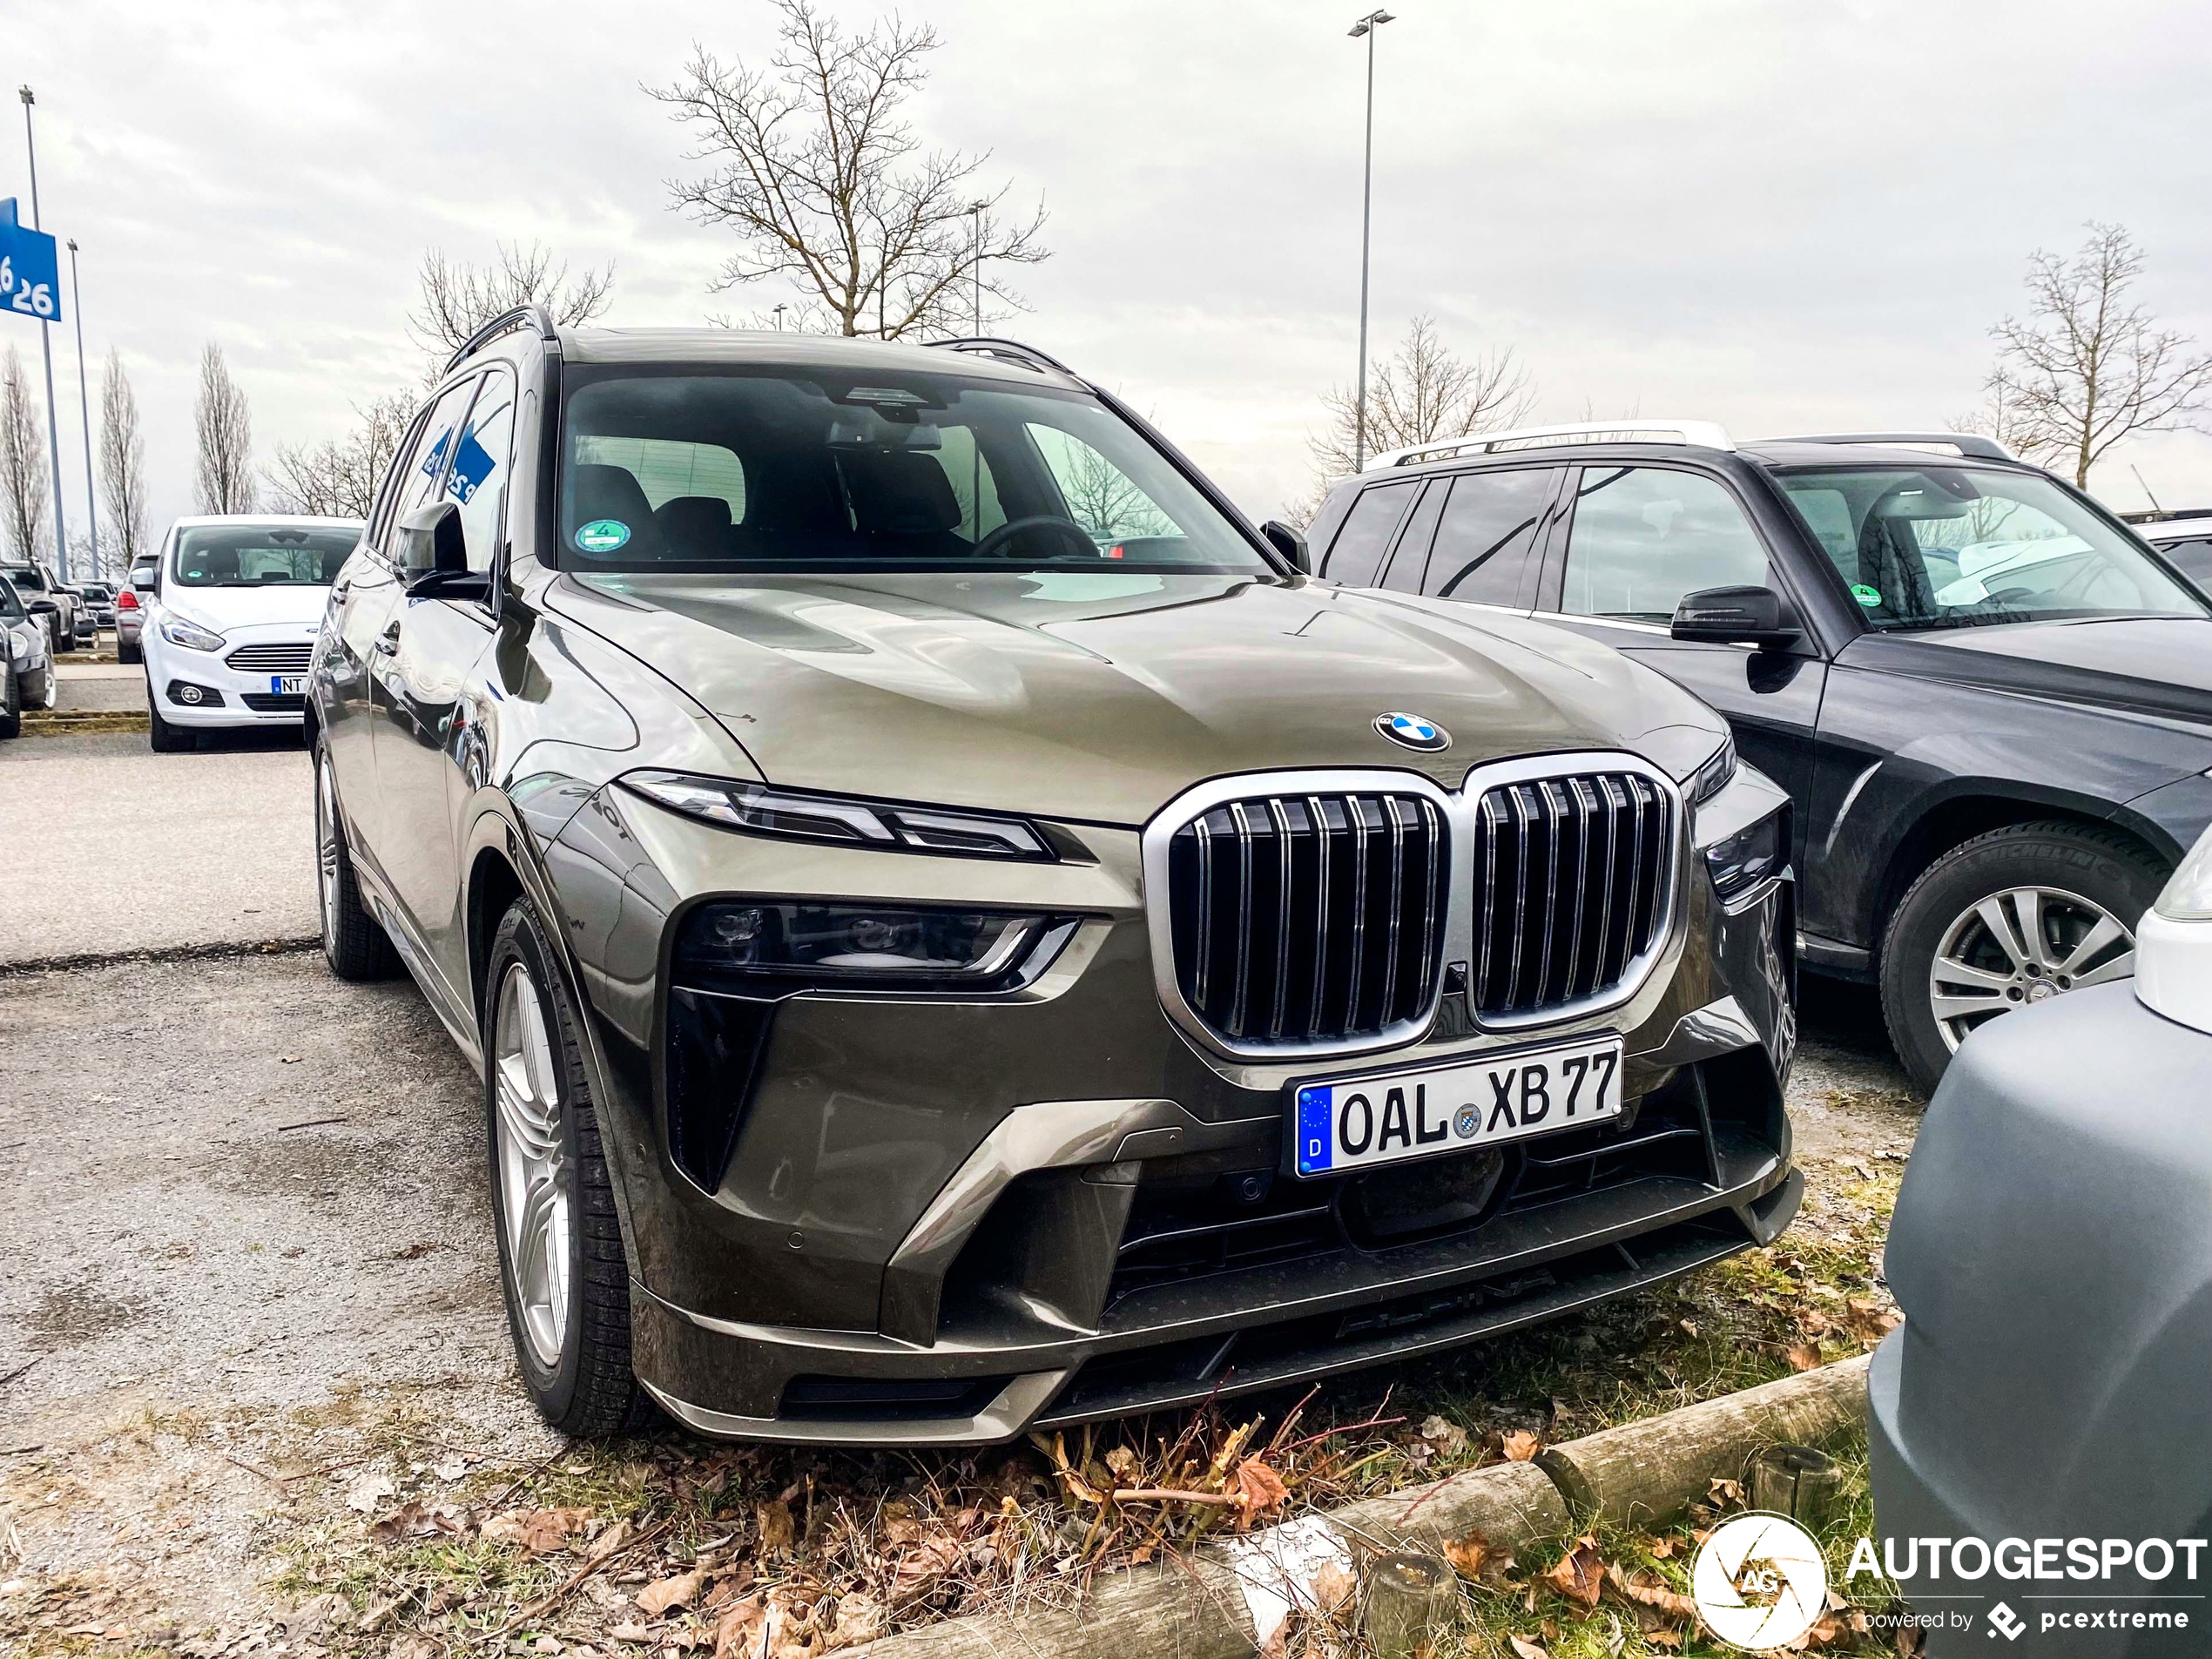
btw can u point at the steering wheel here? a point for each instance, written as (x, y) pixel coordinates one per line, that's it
(994, 545)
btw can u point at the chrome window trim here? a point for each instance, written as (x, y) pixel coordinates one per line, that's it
(1458, 808)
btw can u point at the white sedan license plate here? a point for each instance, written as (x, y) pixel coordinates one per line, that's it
(1362, 1121)
(287, 684)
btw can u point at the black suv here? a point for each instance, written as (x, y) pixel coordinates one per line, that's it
(1991, 702)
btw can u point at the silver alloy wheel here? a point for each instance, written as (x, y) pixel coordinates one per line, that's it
(2019, 946)
(326, 851)
(535, 1198)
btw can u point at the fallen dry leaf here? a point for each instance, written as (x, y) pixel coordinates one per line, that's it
(1804, 1356)
(860, 1618)
(411, 1520)
(1520, 1445)
(610, 1540)
(1868, 1322)
(539, 1531)
(774, 1519)
(414, 1646)
(1468, 1555)
(1579, 1575)
(656, 1599)
(1332, 1589)
(733, 1631)
(1665, 1636)
(630, 1631)
(1661, 1548)
(921, 1568)
(367, 1494)
(1527, 1649)
(1123, 1462)
(1447, 1436)
(1647, 1589)
(1259, 1489)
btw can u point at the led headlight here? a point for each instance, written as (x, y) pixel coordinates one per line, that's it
(799, 815)
(2186, 895)
(888, 947)
(190, 635)
(1713, 777)
(1751, 856)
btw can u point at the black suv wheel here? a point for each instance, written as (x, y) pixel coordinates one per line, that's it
(561, 1258)
(354, 943)
(2010, 919)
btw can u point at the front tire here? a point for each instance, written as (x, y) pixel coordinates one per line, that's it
(129, 651)
(353, 943)
(11, 705)
(162, 738)
(561, 1258)
(2008, 920)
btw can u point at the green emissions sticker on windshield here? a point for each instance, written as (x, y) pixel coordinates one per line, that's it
(1868, 597)
(605, 535)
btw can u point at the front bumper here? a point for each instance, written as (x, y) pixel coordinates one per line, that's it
(948, 1222)
(248, 697)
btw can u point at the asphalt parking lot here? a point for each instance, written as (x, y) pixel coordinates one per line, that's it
(238, 1191)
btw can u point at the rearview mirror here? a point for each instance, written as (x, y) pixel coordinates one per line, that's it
(431, 542)
(1737, 617)
(1289, 543)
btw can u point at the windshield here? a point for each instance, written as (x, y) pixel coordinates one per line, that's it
(261, 555)
(806, 468)
(1952, 547)
(25, 577)
(11, 607)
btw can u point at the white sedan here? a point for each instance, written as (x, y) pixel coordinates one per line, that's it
(233, 610)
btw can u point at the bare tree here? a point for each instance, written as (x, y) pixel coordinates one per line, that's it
(2088, 367)
(458, 298)
(825, 187)
(22, 464)
(123, 469)
(338, 477)
(224, 478)
(1103, 501)
(1423, 393)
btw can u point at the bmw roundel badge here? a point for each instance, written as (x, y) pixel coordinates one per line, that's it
(1413, 731)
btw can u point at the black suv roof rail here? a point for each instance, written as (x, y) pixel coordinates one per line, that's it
(531, 316)
(1972, 445)
(1012, 350)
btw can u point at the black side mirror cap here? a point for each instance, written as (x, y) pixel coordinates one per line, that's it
(432, 543)
(1757, 617)
(1289, 543)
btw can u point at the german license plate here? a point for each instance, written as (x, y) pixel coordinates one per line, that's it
(287, 684)
(1361, 1121)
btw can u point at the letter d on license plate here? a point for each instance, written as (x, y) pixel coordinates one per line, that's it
(1361, 1121)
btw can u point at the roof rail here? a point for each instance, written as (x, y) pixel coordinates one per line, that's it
(1013, 350)
(532, 316)
(1705, 434)
(2162, 515)
(1972, 445)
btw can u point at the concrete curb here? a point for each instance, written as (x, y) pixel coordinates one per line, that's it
(1209, 1604)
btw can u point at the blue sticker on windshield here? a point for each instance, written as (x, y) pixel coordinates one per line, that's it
(602, 535)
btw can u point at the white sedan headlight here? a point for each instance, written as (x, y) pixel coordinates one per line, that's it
(2174, 944)
(190, 635)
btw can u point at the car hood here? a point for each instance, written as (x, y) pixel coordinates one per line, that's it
(1100, 697)
(224, 608)
(2151, 665)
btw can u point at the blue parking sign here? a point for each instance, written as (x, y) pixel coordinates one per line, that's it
(30, 271)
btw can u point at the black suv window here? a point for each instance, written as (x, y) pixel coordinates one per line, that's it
(1489, 528)
(1643, 536)
(1358, 553)
(1948, 547)
(478, 480)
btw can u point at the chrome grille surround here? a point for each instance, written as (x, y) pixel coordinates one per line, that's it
(270, 658)
(1463, 923)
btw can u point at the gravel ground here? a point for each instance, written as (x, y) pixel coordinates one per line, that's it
(112, 848)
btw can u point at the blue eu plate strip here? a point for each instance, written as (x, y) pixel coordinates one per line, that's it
(1316, 1129)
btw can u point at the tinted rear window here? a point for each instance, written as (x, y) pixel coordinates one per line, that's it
(1366, 536)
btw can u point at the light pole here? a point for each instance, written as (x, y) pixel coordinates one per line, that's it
(1367, 26)
(46, 348)
(977, 208)
(779, 316)
(84, 408)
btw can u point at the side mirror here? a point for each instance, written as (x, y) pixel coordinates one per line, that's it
(1290, 544)
(142, 581)
(431, 543)
(1757, 617)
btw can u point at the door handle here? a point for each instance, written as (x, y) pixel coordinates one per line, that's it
(388, 641)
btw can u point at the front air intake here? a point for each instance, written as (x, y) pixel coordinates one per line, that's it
(1305, 919)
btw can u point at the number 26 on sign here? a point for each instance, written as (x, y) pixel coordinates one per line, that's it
(32, 298)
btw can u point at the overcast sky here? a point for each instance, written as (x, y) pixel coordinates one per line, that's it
(1779, 216)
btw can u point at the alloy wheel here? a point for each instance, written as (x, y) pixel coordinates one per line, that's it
(2019, 946)
(536, 1184)
(327, 852)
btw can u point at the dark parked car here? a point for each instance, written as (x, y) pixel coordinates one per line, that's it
(961, 934)
(26, 662)
(46, 597)
(2184, 538)
(1991, 705)
(99, 601)
(2055, 1207)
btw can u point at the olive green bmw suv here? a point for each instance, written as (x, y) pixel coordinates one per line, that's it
(960, 932)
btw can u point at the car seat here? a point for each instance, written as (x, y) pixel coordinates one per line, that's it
(903, 495)
(598, 491)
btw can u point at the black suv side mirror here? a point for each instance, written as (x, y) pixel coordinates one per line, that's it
(1737, 617)
(1290, 544)
(431, 542)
